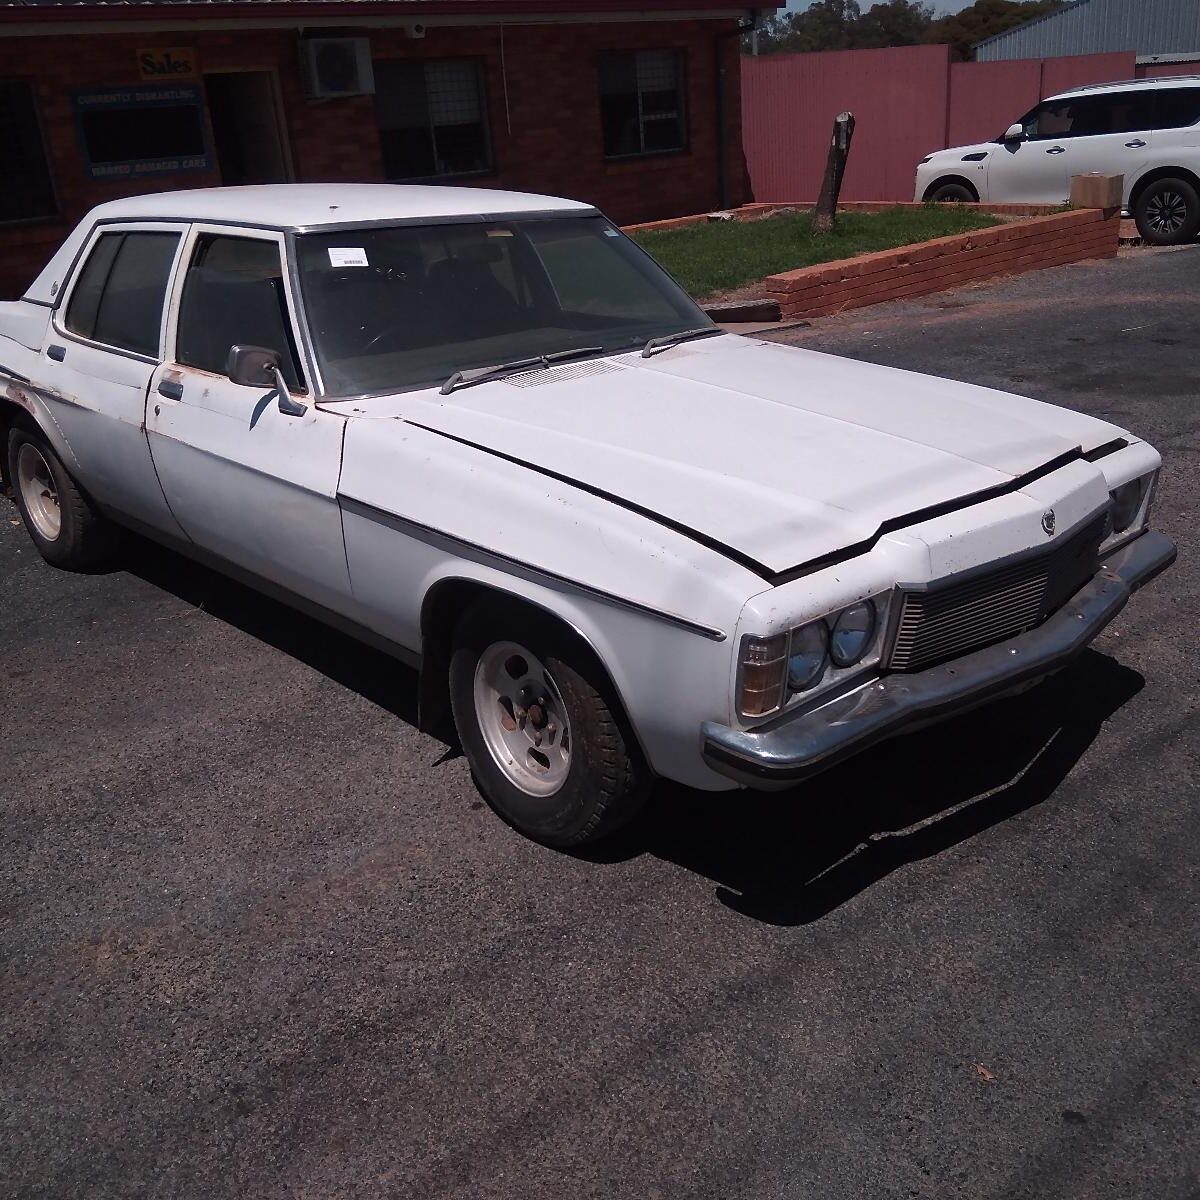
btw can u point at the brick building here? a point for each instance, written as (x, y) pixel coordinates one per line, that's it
(633, 105)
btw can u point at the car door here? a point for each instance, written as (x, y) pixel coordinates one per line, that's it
(1112, 133)
(103, 344)
(249, 482)
(1035, 168)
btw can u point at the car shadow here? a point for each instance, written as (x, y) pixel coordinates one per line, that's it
(385, 681)
(790, 858)
(782, 858)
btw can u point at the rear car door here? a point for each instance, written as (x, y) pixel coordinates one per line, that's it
(1112, 133)
(1036, 169)
(103, 345)
(248, 482)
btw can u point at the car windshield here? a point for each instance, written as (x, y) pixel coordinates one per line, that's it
(408, 306)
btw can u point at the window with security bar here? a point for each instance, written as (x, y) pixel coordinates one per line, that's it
(27, 191)
(641, 103)
(432, 118)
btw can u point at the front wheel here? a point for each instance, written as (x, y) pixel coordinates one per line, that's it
(1168, 212)
(952, 193)
(62, 522)
(541, 729)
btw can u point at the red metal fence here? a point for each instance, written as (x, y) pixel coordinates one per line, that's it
(907, 101)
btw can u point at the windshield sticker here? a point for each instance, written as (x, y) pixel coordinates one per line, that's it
(347, 256)
(611, 233)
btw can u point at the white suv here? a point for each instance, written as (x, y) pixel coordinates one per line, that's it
(1147, 130)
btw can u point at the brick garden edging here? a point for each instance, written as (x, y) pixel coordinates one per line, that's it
(917, 270)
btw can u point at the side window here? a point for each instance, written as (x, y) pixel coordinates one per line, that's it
(1176, 108)
(234, 296)
(1131, 112)
(641, 102)
(119, 297)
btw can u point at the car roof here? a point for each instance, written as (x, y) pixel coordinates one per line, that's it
(299, 206)
(313, 205)
(1129, 85)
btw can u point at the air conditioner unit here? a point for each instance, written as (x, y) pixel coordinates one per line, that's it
(336, 67)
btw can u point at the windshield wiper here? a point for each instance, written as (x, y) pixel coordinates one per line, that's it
(466, 378)
(671, 339)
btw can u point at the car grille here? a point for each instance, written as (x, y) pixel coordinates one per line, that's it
(981, 608)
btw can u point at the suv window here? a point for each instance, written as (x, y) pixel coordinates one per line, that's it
(1177, 107)
(1090, 116)
(234, 296)
(119, 297)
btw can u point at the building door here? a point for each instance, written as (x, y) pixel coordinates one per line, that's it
(247, 126)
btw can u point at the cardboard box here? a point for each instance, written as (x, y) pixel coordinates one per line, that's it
(1096, 190)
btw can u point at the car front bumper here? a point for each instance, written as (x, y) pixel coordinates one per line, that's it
(790, 750)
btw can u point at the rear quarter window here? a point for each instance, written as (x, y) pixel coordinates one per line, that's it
(1178, 108)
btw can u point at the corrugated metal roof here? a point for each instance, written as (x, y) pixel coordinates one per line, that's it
(1147, 27)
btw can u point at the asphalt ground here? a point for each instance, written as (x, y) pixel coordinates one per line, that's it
(260, 938)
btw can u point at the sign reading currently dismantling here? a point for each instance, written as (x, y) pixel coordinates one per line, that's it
(128, 132)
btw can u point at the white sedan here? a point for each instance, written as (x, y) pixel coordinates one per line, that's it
(487, 433)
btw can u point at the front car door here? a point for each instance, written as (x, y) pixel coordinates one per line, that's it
(103, 345)
(1035, 168)
(247, 481)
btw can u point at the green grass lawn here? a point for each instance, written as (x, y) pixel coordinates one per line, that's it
(721, 256)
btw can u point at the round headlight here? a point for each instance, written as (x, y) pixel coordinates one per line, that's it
(852, 634)
(807, 658)
(1126, 501)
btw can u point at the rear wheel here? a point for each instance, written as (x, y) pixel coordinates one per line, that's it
(63, 524)
(544, 734)
(952, 193)
(1168, 212)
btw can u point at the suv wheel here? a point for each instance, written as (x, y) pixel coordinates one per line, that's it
(952, 193)
(1168, 212)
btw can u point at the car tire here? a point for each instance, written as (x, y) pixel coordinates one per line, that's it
(543, 732)
(952, 193)
(63, 524)
(1167, 212)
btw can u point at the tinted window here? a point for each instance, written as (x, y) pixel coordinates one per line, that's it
(1129, 112)
(641, 102)
(1177, 107)
(234, 296)
(119, 297)
(431, 118)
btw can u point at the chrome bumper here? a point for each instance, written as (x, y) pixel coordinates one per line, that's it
(792, 749)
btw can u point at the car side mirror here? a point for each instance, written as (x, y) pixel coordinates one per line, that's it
(256, 366)
(1014, 133)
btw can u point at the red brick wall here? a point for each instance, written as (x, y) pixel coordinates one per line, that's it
(548, 139)
(946, 262)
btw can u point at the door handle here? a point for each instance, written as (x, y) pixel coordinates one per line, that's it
(1057, 150)
(1136, 144)
(58, 353)
(172, 391)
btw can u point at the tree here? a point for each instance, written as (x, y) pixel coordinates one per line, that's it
(894, 23)
(842, 25)
(983, 19)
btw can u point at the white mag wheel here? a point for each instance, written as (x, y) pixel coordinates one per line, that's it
(39, 491)
(522, 718)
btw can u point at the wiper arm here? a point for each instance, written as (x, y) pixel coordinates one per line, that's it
(671, 339)
(466, 378)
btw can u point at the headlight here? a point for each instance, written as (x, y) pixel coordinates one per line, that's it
(852, 634)
(806, 660)
(771, 670)
(1127, 503)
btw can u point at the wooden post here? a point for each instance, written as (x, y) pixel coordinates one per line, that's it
(835, 168)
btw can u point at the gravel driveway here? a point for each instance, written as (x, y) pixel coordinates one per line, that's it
(260, 938)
